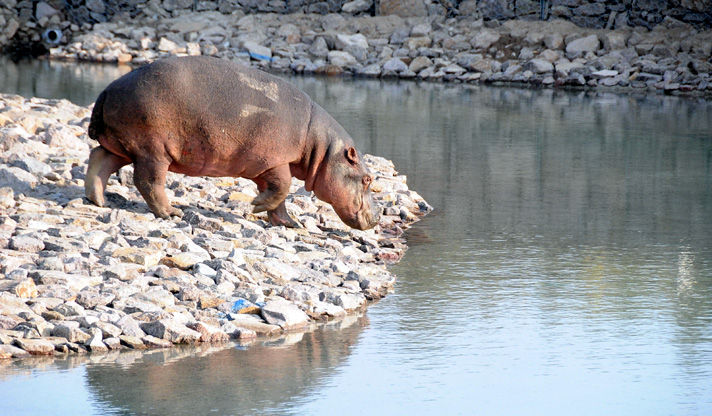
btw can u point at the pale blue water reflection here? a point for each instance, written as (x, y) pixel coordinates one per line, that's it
(567, 269)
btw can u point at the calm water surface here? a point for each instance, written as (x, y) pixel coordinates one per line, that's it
(567, 269)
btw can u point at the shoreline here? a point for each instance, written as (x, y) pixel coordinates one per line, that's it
(78, 278)
(672, 58)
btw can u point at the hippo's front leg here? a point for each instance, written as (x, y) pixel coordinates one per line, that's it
(273, 185)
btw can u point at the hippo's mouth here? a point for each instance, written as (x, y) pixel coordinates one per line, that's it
(366, 217)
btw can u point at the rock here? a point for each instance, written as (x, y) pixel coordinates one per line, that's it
(70, 330)
(394, 66)
(539, 66)
(257, 51)
(18, 179)
(95, 342)
(167, 45)
(252, 323)
(149, 341)
(112, 343)
(582, 45)
(419, 42)
(494, 10)
(209, 333)
(44, 10)
(35, 346)
(32, 166)
(130, 327)
(107, 329)
(183, 261)
(605, 73)
(553, 41)
(7, 197)
(62, 136)
(285, 314)
(235, 332)
(132, 342)
(91, 300)
(342, 41)
(70, 308)
(319, 48)
(22, 288)
(403, 8)
(11, 28)
(420, 63)
(613, 40)
(342, 59)
(9, 351)
(357, 6)
(171, 330)
(484, 39)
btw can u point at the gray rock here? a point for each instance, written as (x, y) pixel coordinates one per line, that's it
(130, 327)
(132, 341)
(539, 66)
(32, 166)
(71, 332)
(70, 308)
(357, 6)
(18, 179)
(208, 333)
(35, 346)
(95, 342)
(484, 39)
(171, 330)
(9, 351)
(394, 66)
(108, 330)
(258, 51)
(582, 45)
(319, 48)
(92, 299)
(285, 314)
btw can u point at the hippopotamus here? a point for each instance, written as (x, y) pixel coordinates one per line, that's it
(204, 116)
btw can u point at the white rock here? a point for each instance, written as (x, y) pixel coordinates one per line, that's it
(342, 59)
(285, 314)
(342, 41)
(356, 6)
(258, 51)
(583, 45)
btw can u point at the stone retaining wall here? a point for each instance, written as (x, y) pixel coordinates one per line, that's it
(23, 21)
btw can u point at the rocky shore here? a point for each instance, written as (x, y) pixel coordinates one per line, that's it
(673, 57)
(75, 277)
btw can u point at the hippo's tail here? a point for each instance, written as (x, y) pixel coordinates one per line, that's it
(96, 124)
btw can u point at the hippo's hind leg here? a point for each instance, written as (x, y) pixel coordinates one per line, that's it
(273, 185)
(150, 180)
(102, 163)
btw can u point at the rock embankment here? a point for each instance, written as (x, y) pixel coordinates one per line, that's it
(75, 277)
(672, 57)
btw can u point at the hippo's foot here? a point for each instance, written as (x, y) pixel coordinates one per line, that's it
(170, 212)
(279, 216)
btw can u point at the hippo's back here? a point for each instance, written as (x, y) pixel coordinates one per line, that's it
(190, 87)
(206, 112)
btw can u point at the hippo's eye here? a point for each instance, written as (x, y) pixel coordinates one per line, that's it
(367, 179)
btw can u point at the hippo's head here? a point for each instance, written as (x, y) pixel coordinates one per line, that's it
(345, 183)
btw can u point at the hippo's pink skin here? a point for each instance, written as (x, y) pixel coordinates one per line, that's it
(203, 116)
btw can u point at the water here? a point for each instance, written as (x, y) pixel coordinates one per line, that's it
(567, 269)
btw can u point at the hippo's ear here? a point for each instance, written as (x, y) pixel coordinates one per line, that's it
(352, 155)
